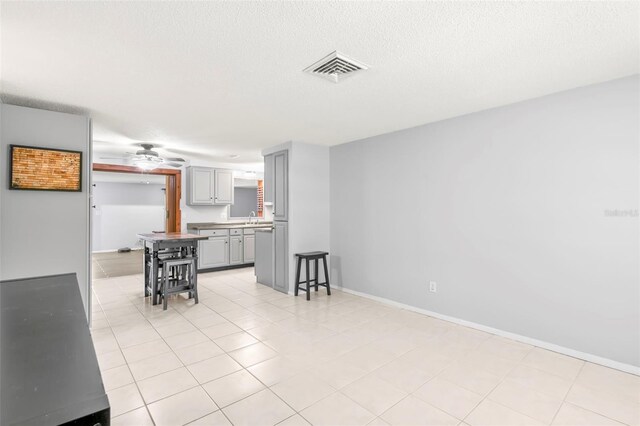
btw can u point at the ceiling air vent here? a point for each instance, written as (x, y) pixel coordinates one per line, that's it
(336, 67)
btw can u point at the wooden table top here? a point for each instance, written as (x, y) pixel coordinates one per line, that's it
(170, 236)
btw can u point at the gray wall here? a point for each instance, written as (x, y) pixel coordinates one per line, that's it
(505, 210)
(124, 210)
(44, 233)
(309, 197)
(245, 200)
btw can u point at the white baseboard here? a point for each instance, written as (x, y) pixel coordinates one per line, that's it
(628, 368)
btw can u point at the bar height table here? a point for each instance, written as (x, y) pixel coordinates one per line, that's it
(154, 244)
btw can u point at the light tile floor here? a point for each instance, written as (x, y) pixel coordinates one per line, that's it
(248, 355)
(114, 264)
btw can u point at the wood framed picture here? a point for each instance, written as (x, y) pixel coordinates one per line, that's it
(44, 169)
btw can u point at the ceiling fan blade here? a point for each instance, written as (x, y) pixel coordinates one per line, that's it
(182, 160)
(112, 158)
(173, 164)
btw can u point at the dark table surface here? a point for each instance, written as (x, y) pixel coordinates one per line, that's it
(48, 364)
(170, 236)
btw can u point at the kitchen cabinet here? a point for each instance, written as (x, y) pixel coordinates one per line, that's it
(226, 247)
(214, 252)
(268, 179)
(280, 250)
(280, 185)
(223, 189)
(264, 257)
(249, 248)
(200, 182)
(235, 250)
(207, 186)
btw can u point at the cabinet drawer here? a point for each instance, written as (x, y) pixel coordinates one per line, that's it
(249, 231)
(237, 231)
(214, 232)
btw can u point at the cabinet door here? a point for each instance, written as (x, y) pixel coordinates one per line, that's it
(200, 186)
(281, 253)
(280, 185)
(268, 178)
(223, 187)
(213, 253)
(249, 248)
(235, 251)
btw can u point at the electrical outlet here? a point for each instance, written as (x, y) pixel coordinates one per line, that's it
(433, 287)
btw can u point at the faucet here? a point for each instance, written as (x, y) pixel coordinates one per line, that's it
(252, 214)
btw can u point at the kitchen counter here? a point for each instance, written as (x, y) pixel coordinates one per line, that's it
(49, 368)
(229, 225)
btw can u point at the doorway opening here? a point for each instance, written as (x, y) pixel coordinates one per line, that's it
(125, 202)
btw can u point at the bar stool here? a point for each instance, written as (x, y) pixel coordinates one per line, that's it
(178, 276)
(153, 288)
(315, 256)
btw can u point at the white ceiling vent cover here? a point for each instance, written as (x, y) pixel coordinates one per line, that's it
(336, 67)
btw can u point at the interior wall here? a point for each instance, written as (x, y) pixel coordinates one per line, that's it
(123, 210)
(524, 215)
(309, 201)
(1, 192)
(44, 232)
(245, 200)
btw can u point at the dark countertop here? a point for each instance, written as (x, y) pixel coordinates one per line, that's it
(49, 369)
(229, 225)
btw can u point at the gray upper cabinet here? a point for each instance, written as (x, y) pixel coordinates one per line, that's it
(201, 186)
(207, 186)
(280, 185)
(268, 178)
(223, 193)
(235, 251)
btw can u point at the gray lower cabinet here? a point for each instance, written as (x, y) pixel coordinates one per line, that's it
(213, 253)
(226, 247)
(236, 253)
(249, 248)
(281, 254)
(264, 257)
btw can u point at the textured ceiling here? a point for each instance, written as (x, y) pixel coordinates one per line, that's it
(211, 79)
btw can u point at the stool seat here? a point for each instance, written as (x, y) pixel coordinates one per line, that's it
(314, 256)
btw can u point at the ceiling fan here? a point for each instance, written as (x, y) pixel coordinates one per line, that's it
(148, 159)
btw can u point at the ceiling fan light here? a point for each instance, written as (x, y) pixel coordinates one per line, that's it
(145, 164)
